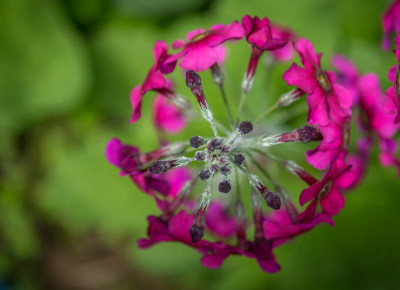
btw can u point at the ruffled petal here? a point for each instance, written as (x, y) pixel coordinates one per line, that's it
(333, 202)
(301, 78)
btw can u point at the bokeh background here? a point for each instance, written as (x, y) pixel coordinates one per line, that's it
(68, 221)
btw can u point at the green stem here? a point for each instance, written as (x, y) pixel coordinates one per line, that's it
(266, 113)
(228, 110)
(240, 109)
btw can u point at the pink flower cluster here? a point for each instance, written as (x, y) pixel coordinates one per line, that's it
(334, 101)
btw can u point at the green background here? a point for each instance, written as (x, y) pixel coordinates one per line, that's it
(68, 221)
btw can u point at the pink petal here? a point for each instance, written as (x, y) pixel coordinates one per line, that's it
(392, 73)
(199, 57)
(136, 103)
(179, 226)
(301, 78)
(318, 108)
(345, 180)
(194, 33)
(167, 116)
(310, 192)
(389, 105)
(307, 54)
(178, 44)
(333, 202)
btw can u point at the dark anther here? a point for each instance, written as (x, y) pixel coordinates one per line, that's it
(196, 233)
(213, 144)
(199, 156)
(204, 174)
(238, 159)
(308, 134)
(159, 167)
(196, 141)
(193, 80)
(273, 201)
(225, 170)
(224, 186)
(214, 168)
(245, 127)
(225, 149)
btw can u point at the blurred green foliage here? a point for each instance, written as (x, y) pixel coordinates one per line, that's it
(66, 71)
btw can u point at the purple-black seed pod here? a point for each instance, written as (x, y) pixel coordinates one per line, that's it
(213, 144)
(224, 186)
(225, 170)
(199, 156)
(196, 233)
(245, 127)
(159, 167)
(204, 174)
(273, 201)
(308, 134)
(193, 80)
(239, 158)
(225, 149)
(196, 141)
(214, 168)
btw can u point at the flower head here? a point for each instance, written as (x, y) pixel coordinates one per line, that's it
(327, 100)
(202, 48)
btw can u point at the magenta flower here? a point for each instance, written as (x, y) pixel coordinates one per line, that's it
(392, 101)
(219, 222)
(326, 191)
(202, 49)
(167, 117)
(259, 35)
(390, 23)
(372, 103)
(262, 252)
(280, 227)
(285, 53)
(155, 81)
(359, 161)
(130, 161)
(327, 100)
(335, 141)
(175, 229)
(388, 153)
(347, 75)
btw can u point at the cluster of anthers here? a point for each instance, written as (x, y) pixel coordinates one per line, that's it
(241, 151)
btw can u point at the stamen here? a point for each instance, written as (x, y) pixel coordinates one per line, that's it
(193, 81)
(224, 186)
(295, 169)
(196, 141)
(272, 200)
(244, 128)
(238, 159)
(204, 174)
(199, 156)
(225, 170)
(159, 167)
(240, 214)
(287, 203)
(323, 80)
(198, 227)
(177, 201)
(305, 134)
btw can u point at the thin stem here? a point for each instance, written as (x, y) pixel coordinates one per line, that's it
(228, 110)
(262, 170)
(241, 104)
(266, 113)
(216, 122)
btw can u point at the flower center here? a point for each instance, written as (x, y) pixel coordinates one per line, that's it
(323, 80)
(325, 189)
(199, 36)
